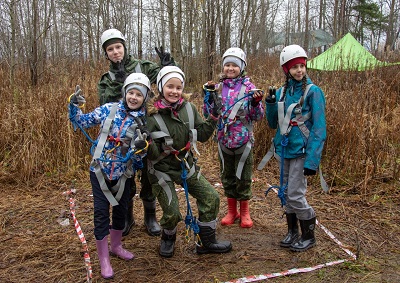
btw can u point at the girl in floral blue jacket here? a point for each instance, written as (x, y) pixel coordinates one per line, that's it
(116, 156)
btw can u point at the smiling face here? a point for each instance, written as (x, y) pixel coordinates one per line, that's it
(172, 90)
(231, 70)
(115, 52)
(298, 71)
(134, 99)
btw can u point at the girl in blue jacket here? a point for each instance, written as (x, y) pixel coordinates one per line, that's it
(119, 149)
(297, 110)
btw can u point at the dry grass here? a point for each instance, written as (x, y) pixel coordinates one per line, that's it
(40, 155)
(363, 141)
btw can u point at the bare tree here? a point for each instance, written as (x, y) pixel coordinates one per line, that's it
(306, 24)
(224, 23)
(390, 32)
(33, 59)
(34, 33)
(13, 17)
(140, 29)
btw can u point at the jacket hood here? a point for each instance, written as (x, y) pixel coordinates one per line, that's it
(151, 109)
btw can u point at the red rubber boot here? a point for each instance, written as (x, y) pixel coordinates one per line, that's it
(232, 215)
(245, 220)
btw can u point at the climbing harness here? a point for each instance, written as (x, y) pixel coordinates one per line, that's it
(285, 125)
(282, 187)
(227, 120)
(132, 159)
(162, 177)
(187, 171)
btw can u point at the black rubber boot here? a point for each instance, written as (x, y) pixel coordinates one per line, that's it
(307, 239)
(293, 230)
(209, 243)
(129, 220)
(150, 219)
(167, 246)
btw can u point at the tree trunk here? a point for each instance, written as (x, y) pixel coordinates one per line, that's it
(13, 17)
(34, 44)
(390, 33)
(306, 27)
(140, 30)
(171, 27)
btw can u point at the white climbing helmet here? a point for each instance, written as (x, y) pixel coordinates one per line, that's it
(111, 34)
(137, 81)
(290, 52)
(235, 52)
(167, 73)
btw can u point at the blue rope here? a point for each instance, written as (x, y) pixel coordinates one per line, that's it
(282, 187)
(190, 220)
(72, 114)
(137, 161)
(207, 101)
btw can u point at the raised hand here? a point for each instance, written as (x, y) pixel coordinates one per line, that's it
(165, 57)
(77, 98)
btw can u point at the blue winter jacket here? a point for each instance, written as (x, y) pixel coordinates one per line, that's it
(298, 144)
(122, 121)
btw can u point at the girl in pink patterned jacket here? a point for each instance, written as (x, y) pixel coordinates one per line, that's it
(241, 107)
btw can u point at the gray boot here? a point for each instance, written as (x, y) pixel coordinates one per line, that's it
(150, 219)
(293, 230)
(307, 239)
(209, 243)
(167, 246)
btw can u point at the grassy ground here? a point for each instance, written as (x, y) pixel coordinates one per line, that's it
(37, 248)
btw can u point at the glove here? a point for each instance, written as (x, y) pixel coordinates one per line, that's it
(77, 98)
(271, 98)
(309, 172)
(257, 97)
(121, 75)
(140, 141)
(209, 88)
(142, 128)
(165, 57)
(216, 110)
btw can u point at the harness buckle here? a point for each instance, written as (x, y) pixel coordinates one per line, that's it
(293, 123)
(175, 152)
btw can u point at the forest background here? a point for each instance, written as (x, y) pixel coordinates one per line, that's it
(48, 47)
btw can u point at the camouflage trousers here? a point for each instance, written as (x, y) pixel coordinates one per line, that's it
(234, 187)
(207, 201)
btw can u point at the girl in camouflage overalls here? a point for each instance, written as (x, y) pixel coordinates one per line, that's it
(175, 125)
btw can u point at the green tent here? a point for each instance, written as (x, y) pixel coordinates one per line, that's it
(346, 54)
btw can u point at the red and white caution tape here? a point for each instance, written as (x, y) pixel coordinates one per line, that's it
(255, 278)
(80, 235)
